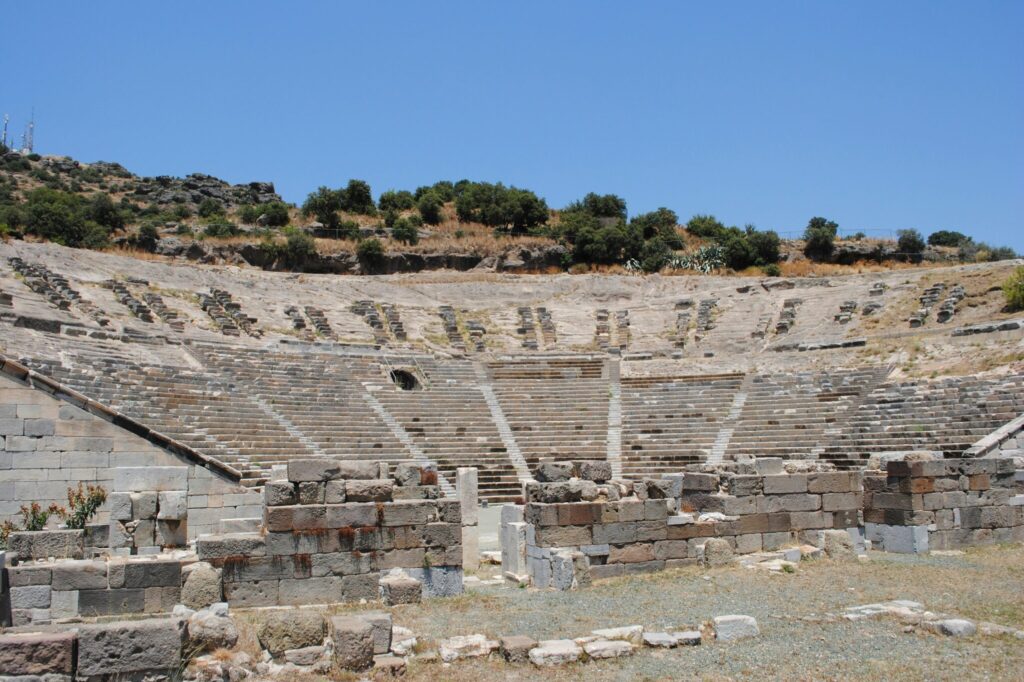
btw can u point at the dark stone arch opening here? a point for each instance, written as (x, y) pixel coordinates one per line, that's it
(405, 380)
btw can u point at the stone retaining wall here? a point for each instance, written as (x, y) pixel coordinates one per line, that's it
(626, 527)
(48, 445)
(333, 528)
(919, 506)
(41, 591)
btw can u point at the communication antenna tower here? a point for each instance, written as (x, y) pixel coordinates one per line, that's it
(3, 140)
(28, 139)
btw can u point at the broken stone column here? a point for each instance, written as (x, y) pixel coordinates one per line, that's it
(512, 535)
(467, 489)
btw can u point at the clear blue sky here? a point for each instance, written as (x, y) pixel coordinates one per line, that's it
(880, 115)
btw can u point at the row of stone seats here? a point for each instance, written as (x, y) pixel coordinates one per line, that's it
(669, 422)
(791, 414)
(450, 422)
(555, 407)
(947, 415)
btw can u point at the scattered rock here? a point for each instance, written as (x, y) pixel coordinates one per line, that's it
(717, 552)
(838, 545)
(464, 646)
(555, 652)
(202, 585)
(605, 648)
(732, 628)
(279, 631)
(634, 634)
(516, 649)
(353, 642)
(212, 628)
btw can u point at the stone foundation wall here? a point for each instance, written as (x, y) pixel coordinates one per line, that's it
(48, 445)
(41, 591)
(332, 529)
(626, 527)
(919, 506)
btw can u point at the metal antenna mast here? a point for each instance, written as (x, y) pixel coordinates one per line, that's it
(27, 140)
(3, 140)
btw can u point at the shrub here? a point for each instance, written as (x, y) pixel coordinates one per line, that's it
(444, 189)
(221, 230)
(148, 237)
(299, 245)
(910, 245)
(83, 503)
(654, 255)
(103, 212)
(249, 214)
(600, 244)
(370, 251)
(823, 224)
(429, 205)
(34, 517)
(275, 214)
(181, 212)
(1013, 289)
(210, 207)
(390, 217)
(404, 231)
(771, 270)
(348, 229)
(947, 238)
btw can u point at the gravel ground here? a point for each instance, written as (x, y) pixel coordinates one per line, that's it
(982, 584)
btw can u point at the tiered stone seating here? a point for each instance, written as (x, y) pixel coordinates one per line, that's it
(555, 407)
(137, 307)
(368, 311)
(547, 326)
(451, 327)
(55, 288)
(394, 321)
(320, 323)
(234, 310)
(316, 394)
(668, 422)
(947, 415)
(684, 307)
(168, 315)
(527, 329)
(789, 415)
(449, 421)
(195, 408)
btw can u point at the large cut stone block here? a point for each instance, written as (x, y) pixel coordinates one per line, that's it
(37, 654)
(128, 648)
(80, 575)
(353, 642)
(44, 544)
(141, 479)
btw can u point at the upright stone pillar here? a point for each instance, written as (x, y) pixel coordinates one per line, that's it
(466, 488)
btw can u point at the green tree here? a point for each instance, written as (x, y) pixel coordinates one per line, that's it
(357, 198)
(599, 206)
(660, 223)
(429, 205)
(910, 245)
(947, 238)
(766, 245)
(820, 238)
(818, 223)
(400, 200)
(299, 245)
(323, 204)
(405, 231)
(103, 211)
(706, 227)
(507, 208)
(739, 252)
